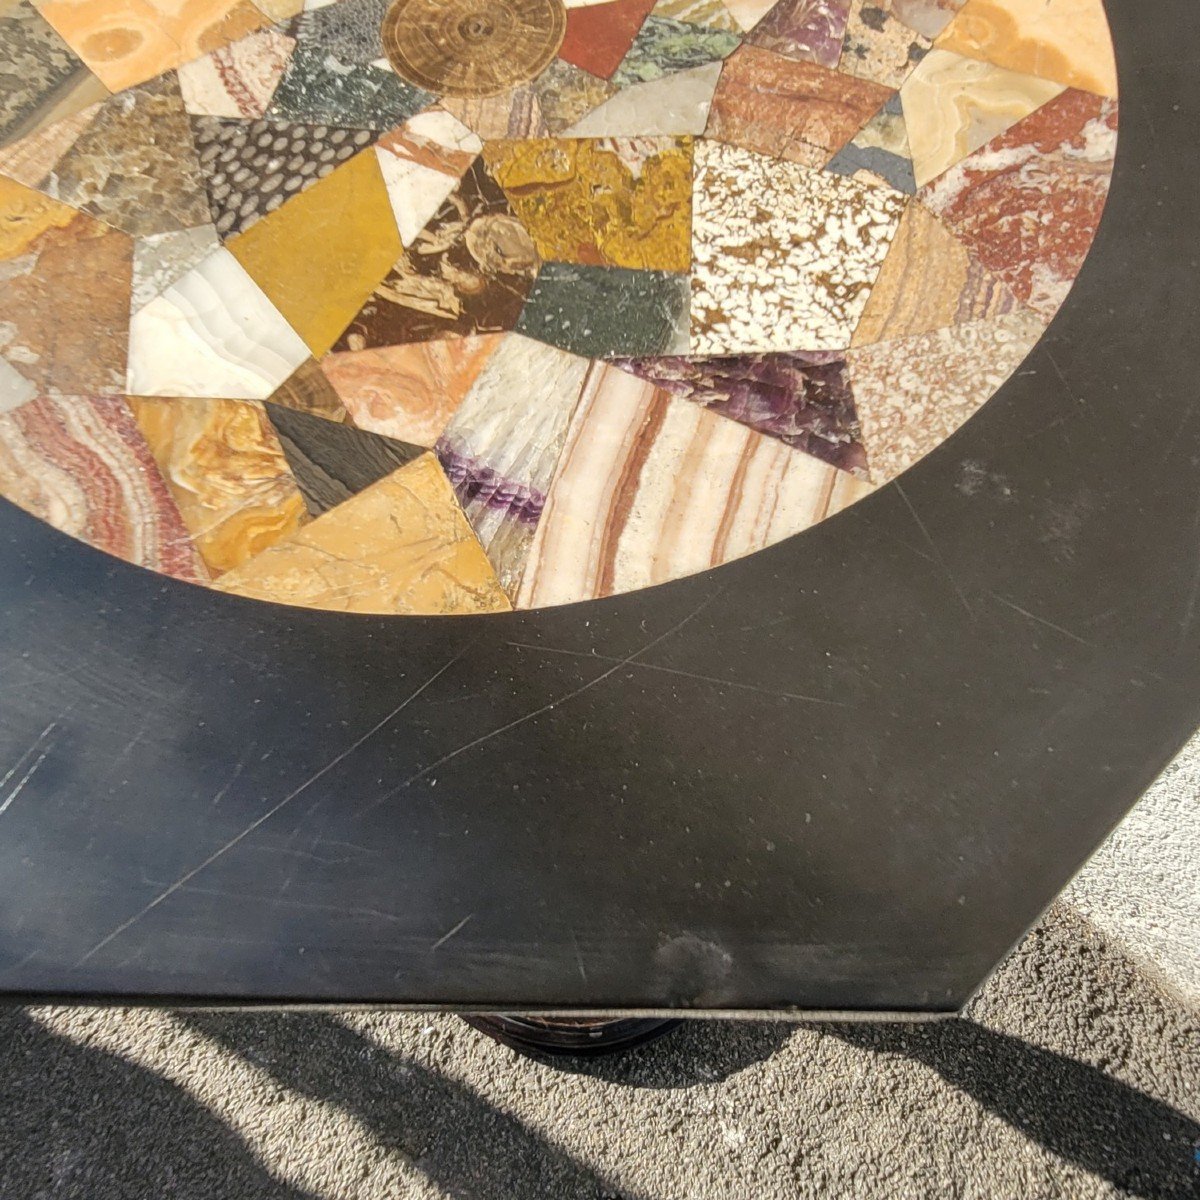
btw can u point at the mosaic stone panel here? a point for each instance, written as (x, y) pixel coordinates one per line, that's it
(785, 257)
(42, 80)
(278, 321)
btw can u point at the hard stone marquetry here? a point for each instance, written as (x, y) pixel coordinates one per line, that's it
(445, 307)
(784, 256)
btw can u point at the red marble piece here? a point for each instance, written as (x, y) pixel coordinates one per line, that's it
(599, 35)
(80, 464)
(1028, 203)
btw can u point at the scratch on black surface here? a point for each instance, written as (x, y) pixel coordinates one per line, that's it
(21, 761)
(166, 893)
(933, 546)
(1189, 610)
(1058, 371)
(1040, 620)
(644, 666)
(579, 957)
(241, 766)
(545, 708)
(457, 929)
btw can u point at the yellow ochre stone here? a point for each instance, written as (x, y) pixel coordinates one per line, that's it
(25, 215)
(601, 202)
(1064, 40)
(321, 255)
(403, 546)
(227, 474)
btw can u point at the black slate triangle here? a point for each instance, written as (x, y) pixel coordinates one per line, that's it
(333, 462)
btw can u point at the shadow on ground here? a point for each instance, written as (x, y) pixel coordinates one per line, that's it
(458, 1140)
(79, 1122)
(1144, 1147)
(90, 1124)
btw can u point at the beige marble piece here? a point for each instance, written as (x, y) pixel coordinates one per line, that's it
(402, 545)
(674, 105)
(237, 80)
(913, 393)
(929, 280)
(748, 13)
(651, 487)
(954, 105)
(31, 159)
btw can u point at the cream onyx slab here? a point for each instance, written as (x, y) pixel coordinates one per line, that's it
(212, 333)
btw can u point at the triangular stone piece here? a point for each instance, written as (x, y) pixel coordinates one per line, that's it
(928, 281)
(31, 159)
(676, 105)
(319, 256)
(1028, 203)
(501, 447)
(664, 46)
(333, 462)
(599, 35)
(338, 75)
(914, 392)
(880, 149)
(237, 80)
(954, 105)
(163, 258)
(422, 162)
(804, 400)
(250, 168)
(134, 167)
(469, 271)
(401, 546)
(308, 390)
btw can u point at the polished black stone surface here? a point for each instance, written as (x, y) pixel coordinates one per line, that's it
(843, 774)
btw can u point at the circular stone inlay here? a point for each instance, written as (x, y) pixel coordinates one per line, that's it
(472, 48)
(618, 294)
